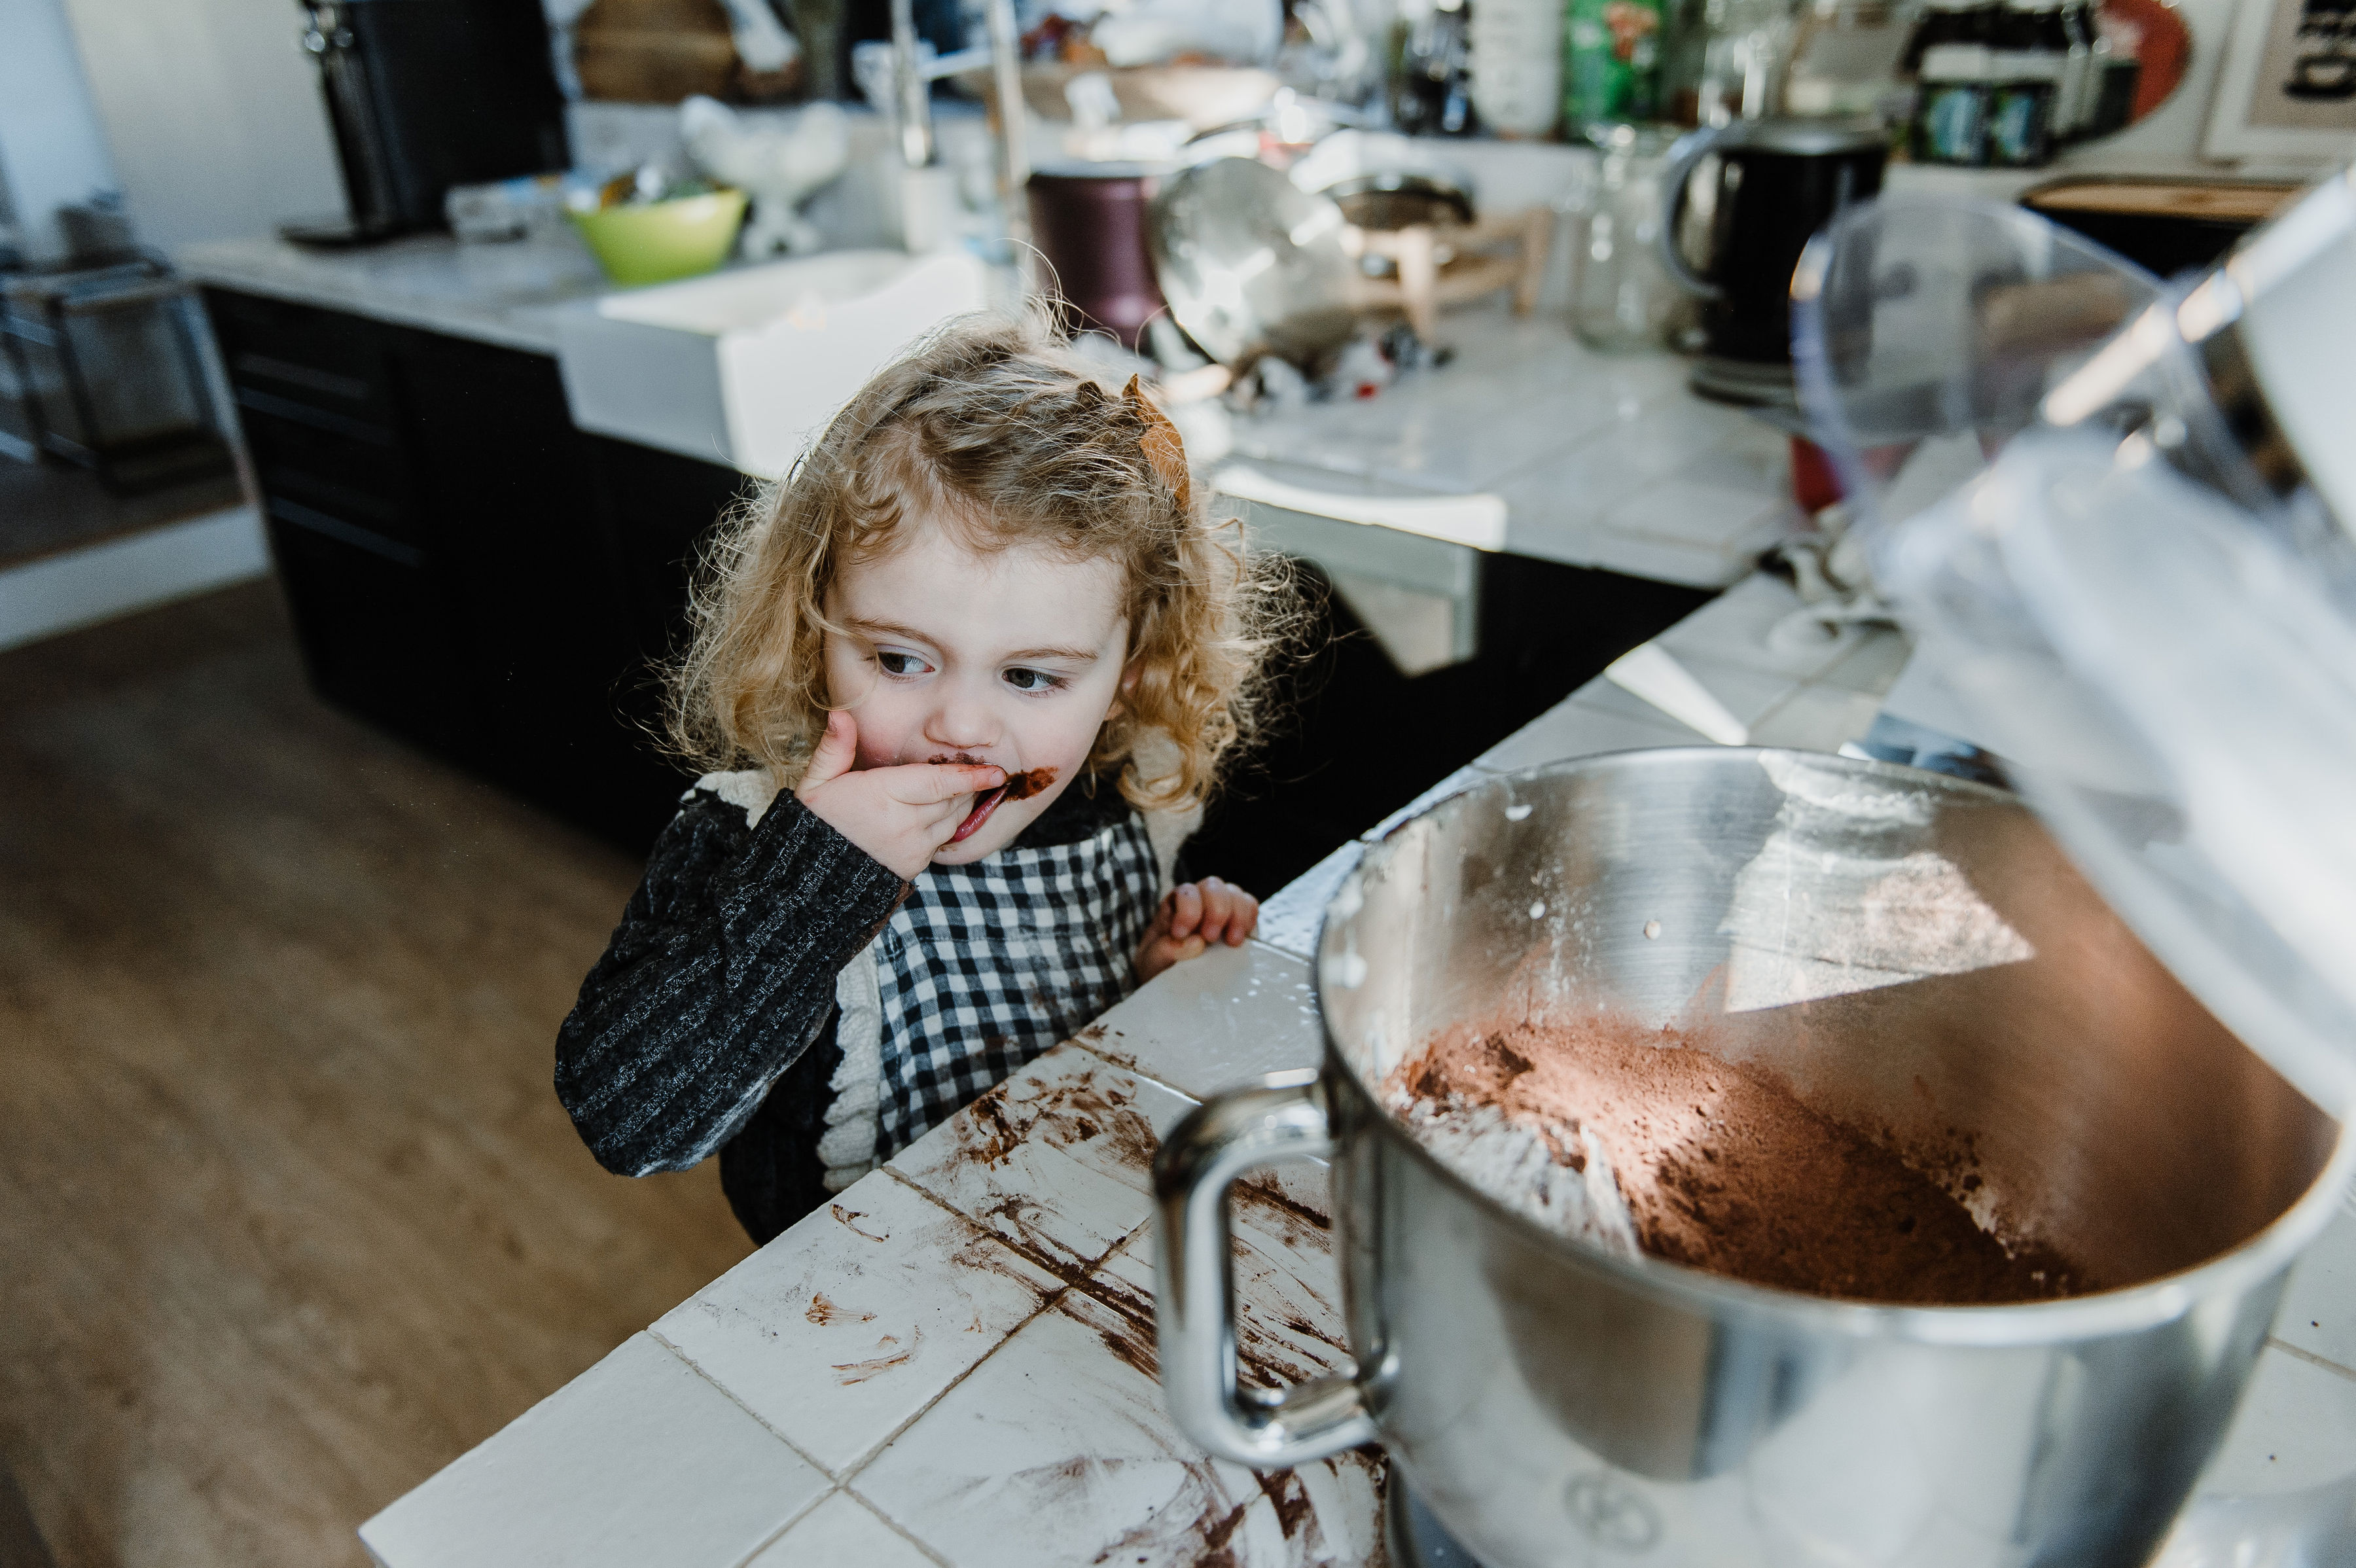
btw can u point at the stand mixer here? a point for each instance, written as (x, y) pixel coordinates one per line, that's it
(2115, 514)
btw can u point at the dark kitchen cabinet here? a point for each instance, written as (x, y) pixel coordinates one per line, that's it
(662, 509)
(464, 568)
(358, 552)
(1352, 739)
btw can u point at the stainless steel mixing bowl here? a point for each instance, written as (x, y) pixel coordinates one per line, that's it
(1914, 955)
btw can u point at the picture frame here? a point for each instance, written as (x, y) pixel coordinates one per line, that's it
(2286, 89)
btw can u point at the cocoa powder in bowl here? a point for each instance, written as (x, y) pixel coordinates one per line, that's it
(1723, 1167)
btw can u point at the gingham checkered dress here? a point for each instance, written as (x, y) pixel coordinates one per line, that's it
(986, 965)
(737, 1011)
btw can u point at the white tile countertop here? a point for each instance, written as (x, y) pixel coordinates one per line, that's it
(1592, 459)
(954, 1363)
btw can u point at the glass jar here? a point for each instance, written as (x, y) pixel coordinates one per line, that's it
(1622, 299)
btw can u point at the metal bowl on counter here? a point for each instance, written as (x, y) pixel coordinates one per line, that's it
(1910, 953)
(1251, 263)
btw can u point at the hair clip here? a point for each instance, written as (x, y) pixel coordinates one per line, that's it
(1165, 452)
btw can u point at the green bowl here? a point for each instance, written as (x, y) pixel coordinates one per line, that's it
(656, 241)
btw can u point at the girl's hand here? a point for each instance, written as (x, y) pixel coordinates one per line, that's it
(899, 815)
(1193, 916)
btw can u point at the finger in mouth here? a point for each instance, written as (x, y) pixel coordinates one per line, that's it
(983, 805)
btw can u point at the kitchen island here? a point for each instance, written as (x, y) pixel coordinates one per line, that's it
(954, 1362)
(471, 569)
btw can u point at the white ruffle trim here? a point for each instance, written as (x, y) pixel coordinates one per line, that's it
(847, 1148)
(748, 789)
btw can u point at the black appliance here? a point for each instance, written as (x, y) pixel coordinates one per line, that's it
(426, 94)
(1766, 187)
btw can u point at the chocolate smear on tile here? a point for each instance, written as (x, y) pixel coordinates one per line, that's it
(823, 1312)
(845, 1217)
(1100, 1038)
(1131, 1334)
(1289, 1497)
(992, 1137)
(1285, 1215)
(1195, 1527)
(850, 1372)
(1014, 1218)
(990, 1253)
(1089, 1108)
(1082, 1109)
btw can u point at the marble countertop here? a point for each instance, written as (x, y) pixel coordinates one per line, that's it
(1592, 459)
(502, 293)
(954, 1363)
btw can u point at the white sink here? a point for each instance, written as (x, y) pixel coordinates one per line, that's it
(744, 367)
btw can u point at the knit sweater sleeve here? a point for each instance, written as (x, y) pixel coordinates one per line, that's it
(719, 977)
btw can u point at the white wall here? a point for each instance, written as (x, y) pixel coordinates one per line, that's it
(213, 113)
(52, 150)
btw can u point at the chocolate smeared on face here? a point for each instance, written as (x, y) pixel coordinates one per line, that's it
(1023, 786)
(1019, 785)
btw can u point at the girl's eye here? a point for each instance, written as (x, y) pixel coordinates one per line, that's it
(1024, 680)
(899, 663)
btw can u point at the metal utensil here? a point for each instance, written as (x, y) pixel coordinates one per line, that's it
(1553, 1404)
(1250, 263)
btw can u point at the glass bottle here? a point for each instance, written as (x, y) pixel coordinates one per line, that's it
(1745, 58)
(1434, 89)
(2082, 77)
(1612, 52)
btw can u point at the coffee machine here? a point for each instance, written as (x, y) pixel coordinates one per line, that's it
(426, 94)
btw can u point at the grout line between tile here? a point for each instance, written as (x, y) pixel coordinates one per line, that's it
(896, 1528)
(1134, 1070)
(2311, 1359)
(779, 1534)
(852, 1467)
(799, 1452)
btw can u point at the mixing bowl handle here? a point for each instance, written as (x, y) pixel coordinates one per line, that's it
(1282, 1118)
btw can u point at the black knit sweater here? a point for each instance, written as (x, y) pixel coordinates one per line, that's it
(709, 1023)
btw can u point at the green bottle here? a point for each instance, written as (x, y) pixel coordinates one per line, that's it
(1612, 62)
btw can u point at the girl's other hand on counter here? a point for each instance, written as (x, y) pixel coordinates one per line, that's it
(1192, 917)
(901, 815)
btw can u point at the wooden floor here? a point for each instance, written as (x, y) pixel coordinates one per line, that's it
(289, 1215)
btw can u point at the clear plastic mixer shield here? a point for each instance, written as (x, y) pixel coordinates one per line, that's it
(2162, 649)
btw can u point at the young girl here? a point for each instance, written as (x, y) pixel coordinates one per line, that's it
(931, 657)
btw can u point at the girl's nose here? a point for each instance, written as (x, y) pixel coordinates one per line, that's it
(961, 721)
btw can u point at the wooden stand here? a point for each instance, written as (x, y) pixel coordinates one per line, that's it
(1443, 264)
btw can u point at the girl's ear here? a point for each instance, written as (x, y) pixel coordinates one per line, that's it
(1121, 694)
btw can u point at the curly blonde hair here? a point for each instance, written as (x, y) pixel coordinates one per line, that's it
(993, 423)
